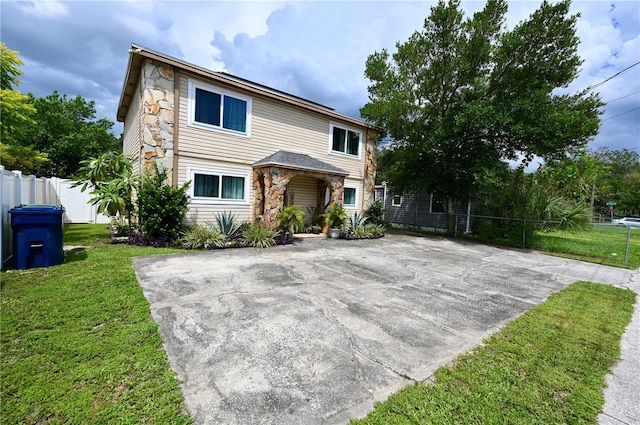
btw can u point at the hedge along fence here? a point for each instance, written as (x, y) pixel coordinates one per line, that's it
(17, 189)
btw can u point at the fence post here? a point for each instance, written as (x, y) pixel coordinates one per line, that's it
(524, 232)
(626, 252)
(455, 231)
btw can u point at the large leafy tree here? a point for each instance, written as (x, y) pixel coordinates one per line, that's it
(16, 114)
(622, 182)
(581, 177)
(66, 129)
(462, 95)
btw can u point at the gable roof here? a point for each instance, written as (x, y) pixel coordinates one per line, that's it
(138, 53)
(298, 161)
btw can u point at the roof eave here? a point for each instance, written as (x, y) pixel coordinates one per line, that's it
(294, 167)
(136, 53)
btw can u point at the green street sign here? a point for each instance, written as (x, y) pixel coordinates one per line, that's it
(611, 203)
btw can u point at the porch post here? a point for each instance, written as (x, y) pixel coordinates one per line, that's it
(274, 194)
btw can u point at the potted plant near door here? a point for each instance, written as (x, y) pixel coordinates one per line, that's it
(290, 221)
(334, 219)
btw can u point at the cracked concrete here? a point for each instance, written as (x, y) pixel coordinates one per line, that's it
(318, 331)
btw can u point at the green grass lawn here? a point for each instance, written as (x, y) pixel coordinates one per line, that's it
(546, 367)
(601, 244)
(598, 244)
(78, 343)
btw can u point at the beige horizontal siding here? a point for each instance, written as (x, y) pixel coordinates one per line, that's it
(274, 127)
(131, 133)
(303, 192)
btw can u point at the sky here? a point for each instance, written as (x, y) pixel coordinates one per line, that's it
(313, 49)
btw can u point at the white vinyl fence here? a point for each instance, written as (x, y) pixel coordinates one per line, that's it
(16, 190)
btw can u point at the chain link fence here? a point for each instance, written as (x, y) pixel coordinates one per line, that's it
(600, 241)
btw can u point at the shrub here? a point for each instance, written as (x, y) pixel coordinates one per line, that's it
(200, 236)
(259, 236)
(291, 219)
(335, 216)
(161, 208)
(375, 213)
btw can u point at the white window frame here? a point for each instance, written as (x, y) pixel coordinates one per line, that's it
(357, 204)
(193, 85)
(192, 170)
(393, 200)
(344, 154)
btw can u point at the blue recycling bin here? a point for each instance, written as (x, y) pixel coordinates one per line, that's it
(37, 235)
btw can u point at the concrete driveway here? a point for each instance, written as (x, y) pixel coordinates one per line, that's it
(316, 332)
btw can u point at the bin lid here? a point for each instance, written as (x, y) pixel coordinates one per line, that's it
(37, 209)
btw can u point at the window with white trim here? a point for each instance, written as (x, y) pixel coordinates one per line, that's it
(350, 197)
(344, 140)
(396, 201)
(218, 186)
(215, 109)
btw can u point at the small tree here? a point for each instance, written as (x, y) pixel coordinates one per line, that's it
(17, 112)
(112, 182)
(161, 208)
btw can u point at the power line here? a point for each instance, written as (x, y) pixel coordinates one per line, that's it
(615, 116)
(613, 76)
(622, 97)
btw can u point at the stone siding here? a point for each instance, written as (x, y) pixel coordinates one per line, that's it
(158, 116)
(370, 168)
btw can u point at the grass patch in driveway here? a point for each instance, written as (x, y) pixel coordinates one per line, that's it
(546, 367)
(78, 342)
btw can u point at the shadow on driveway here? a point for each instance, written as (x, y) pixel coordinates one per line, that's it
(316, 332)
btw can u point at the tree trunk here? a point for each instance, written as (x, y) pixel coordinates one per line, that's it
(449, 210)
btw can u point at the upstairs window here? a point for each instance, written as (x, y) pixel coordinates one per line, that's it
(216, 109)
(345, 141)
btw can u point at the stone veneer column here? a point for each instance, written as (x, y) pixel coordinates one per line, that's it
(158, 112)
(336, 185)
(370, 168)
(275, 184)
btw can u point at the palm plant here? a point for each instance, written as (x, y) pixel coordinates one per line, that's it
(291, 219)
(335, 216)
(112, 182)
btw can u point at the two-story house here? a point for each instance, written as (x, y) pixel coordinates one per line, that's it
(244, 147)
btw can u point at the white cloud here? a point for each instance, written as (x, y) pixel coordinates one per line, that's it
(316, 50)
(45, 8)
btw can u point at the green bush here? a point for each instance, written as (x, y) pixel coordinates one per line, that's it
(335, 216)
(161, 208)
(291, 219)
(259, 236)
(375, 213)
(199, 236)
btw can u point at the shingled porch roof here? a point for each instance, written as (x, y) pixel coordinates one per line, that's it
(299, 161)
